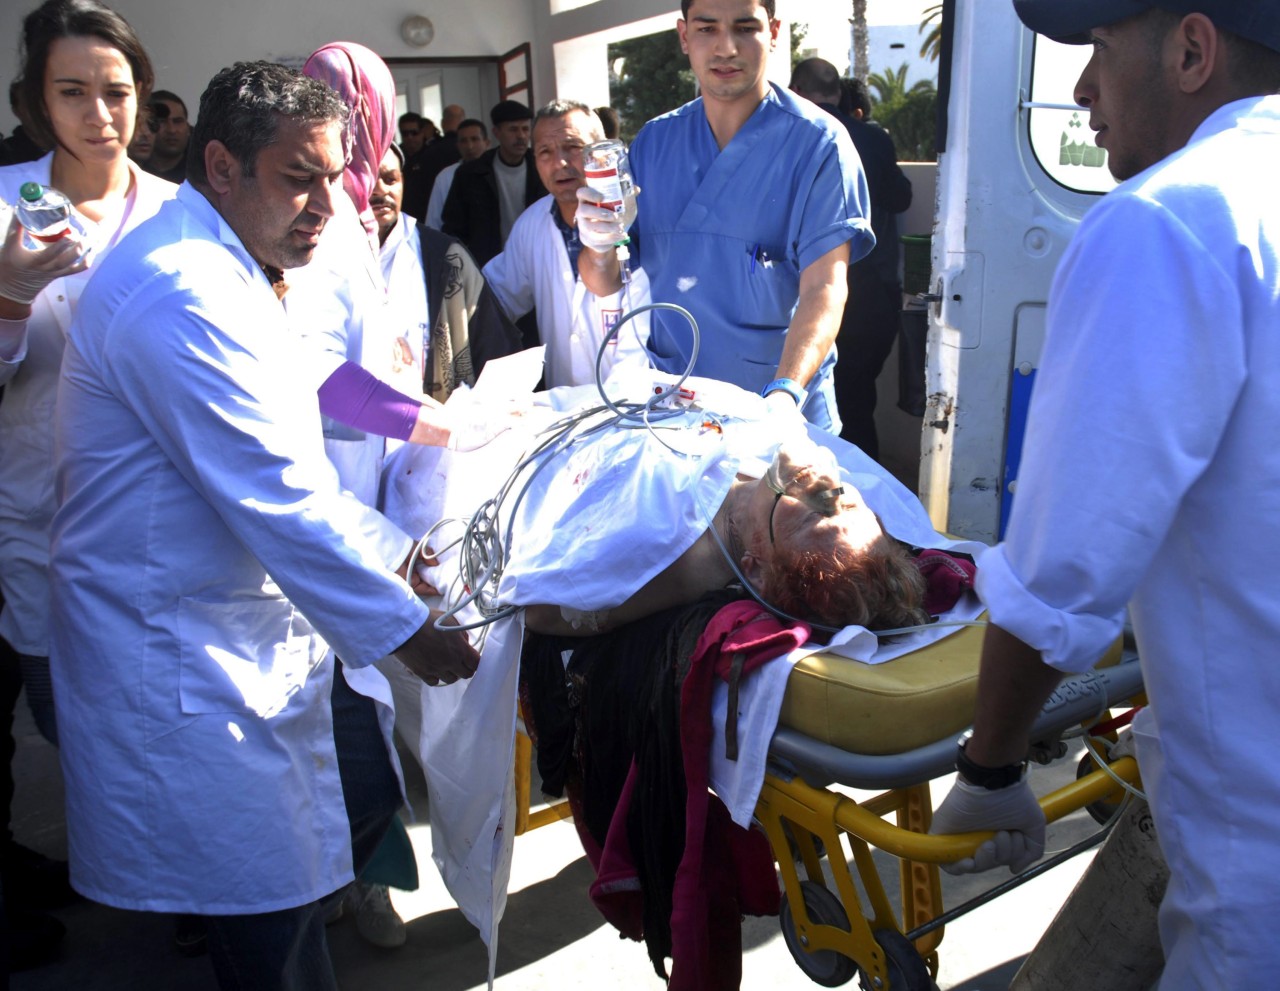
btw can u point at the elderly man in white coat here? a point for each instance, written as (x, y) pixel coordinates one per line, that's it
(538, 267)
(205, 558)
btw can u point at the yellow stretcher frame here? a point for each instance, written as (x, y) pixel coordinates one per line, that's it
(797, 816)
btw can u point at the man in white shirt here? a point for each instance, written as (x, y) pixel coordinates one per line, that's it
(207, 559)
(538, 268)
(1150, 476)
(472, 142)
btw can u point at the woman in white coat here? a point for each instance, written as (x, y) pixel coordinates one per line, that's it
(84, 76)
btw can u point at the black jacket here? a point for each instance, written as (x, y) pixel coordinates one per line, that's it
(471, 212)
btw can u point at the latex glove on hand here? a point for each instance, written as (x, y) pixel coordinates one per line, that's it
(473, 424)
(781, 407)
(1012, 811)
(24, 272)
(599, 228)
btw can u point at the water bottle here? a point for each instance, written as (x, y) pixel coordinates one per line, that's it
(43, 212)
(605, 166)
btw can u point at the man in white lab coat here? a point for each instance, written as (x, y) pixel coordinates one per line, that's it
(204, 558)
(538, 266)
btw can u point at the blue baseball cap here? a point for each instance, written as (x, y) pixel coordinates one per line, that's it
(1070, 21)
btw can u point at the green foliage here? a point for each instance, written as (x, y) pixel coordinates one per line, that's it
(931, 47)
(798, 33)
(655, 78)
(891, 86)
(911, 118)
(908, 113)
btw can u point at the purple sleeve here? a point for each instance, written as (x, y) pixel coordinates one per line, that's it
(359, 399)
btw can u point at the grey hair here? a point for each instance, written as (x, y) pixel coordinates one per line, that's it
(242, 107)
(562, 108)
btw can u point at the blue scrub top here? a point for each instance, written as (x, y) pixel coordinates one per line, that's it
(726, 234)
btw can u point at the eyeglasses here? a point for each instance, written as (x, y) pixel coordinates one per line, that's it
(824, 501)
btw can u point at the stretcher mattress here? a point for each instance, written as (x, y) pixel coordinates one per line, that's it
(890, 708)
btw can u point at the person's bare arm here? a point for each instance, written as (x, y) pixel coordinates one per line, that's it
(1013, 684)
(600, 271)
(438, 657)
(823, 289)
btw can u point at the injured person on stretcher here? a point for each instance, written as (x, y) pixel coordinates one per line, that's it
(590, 520)
(803, 538)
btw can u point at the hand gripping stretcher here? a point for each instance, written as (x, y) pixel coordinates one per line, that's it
(893, 728)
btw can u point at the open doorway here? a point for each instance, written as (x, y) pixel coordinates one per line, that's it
(427, 85)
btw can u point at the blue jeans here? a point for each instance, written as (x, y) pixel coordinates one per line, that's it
(286, 950)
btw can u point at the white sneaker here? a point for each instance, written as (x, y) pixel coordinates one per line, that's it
(376, 918)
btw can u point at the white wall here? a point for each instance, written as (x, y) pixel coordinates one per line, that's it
(190, 40)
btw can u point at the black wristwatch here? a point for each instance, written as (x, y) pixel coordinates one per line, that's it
(990, 778)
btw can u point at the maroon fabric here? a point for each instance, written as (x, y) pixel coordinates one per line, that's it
(726, 871)
(947, 578)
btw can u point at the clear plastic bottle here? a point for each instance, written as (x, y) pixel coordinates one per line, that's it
(607, 171)
(43, 212)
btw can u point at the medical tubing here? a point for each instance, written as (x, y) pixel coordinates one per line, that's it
(484, 548)
(733, 565)
(613, 333)
(1105, 766)
(484, 551)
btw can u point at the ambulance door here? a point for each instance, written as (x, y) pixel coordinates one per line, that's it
(1017, 169)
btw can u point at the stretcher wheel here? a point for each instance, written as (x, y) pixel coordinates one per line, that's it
(825, 967)
(907, 971)
(1102, 810)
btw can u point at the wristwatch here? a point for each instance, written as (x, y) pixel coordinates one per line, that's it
(790, 386)
(990, 778)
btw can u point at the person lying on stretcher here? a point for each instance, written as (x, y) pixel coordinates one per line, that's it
(807, 543)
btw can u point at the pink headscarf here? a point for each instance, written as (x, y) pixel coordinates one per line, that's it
(364, 82)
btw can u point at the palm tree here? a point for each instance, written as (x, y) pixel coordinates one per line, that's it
(891, 86)
(860, 66)
(931, 47)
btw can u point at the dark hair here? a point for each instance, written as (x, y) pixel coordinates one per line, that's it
(854, 96)
(472, 122)
(770, 7)
(508, 111)
(819, 79)
(55, 19)
(410, 118)
(242, 107)
(170, 97)
(880, 588)
(609, 121)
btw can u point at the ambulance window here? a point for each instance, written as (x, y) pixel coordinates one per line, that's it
(1060, 138)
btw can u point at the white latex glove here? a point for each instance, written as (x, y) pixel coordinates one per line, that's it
(782, 407)
(1013, 812)
(599, 228)
(24, 272)
(473, 424)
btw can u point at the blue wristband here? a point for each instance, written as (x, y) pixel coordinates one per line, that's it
(790, 386)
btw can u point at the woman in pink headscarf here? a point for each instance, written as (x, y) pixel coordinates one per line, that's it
(338, 302)
(364, 82)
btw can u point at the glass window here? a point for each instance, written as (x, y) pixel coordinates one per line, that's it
(1060, 135)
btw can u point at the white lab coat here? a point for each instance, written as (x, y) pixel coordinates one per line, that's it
(29, 374)
(205, 558)
(400, 258)
(1150, 476)
(338, 307)
(533, 271)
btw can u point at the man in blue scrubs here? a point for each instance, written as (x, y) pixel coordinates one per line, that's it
(754, 205)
